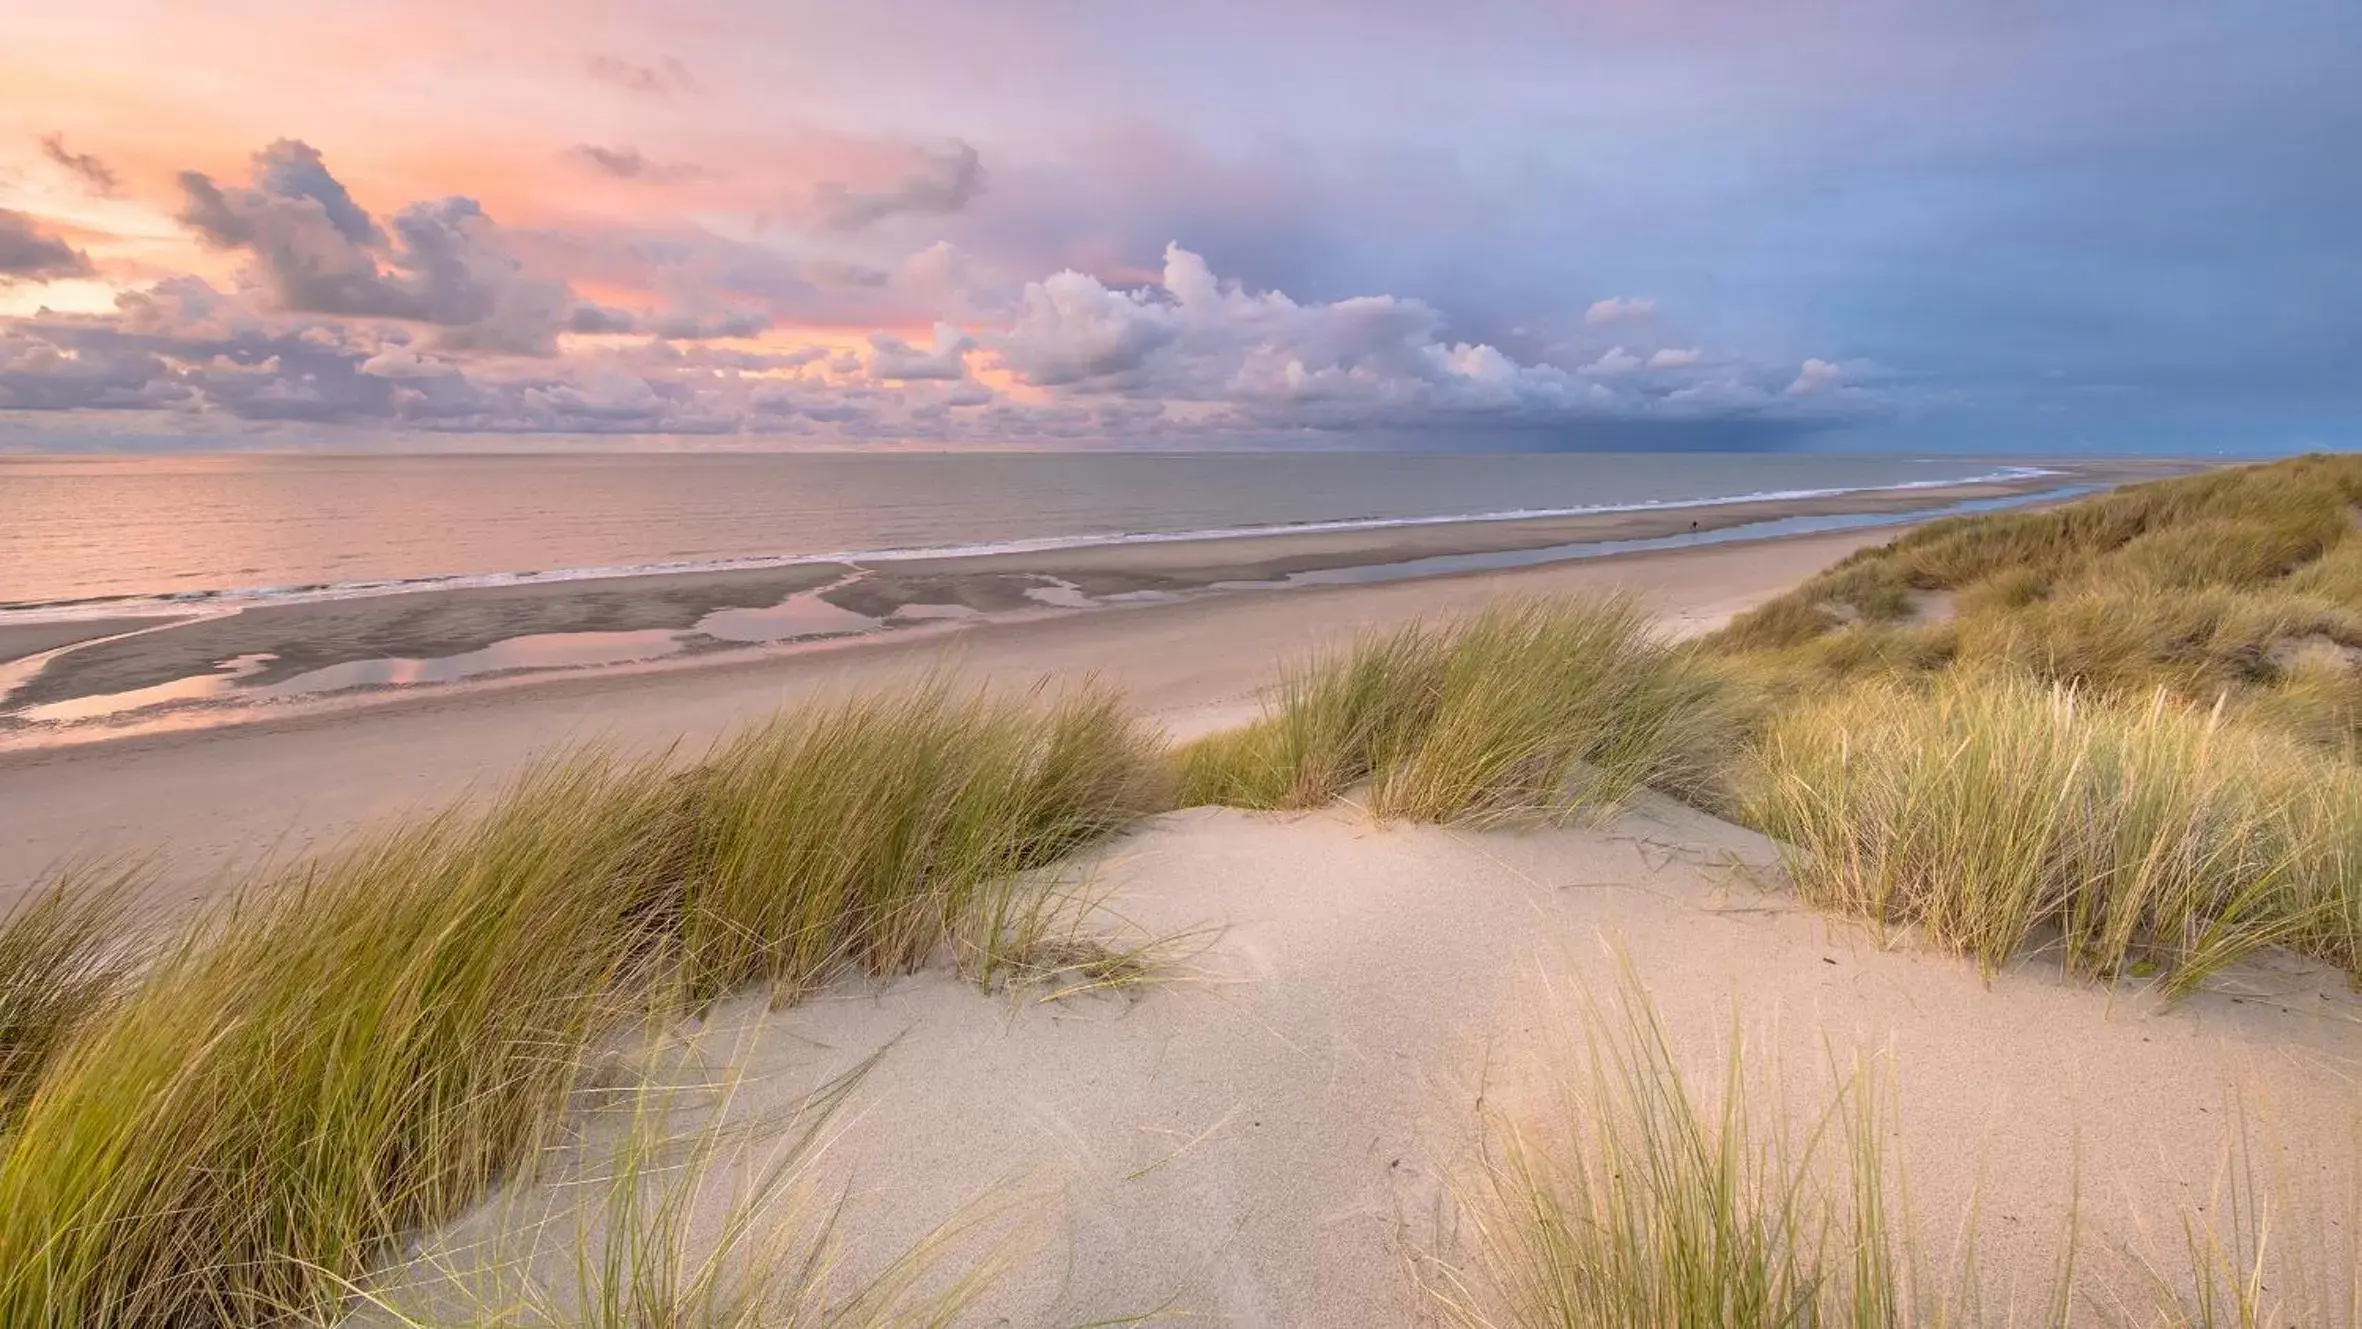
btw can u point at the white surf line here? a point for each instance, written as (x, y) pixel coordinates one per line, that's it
(197, 601)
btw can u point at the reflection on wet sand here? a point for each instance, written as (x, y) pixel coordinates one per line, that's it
(800, 616)
(215, 686)
(827, 606)
(803, 616)
(553, 650)
(1060, 593)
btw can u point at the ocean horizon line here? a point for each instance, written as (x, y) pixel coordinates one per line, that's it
(135, 604)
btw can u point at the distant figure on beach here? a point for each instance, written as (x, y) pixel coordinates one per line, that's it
(1693, 523)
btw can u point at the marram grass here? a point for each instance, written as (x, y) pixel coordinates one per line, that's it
(1631, 1193)
(1634, 1199)
(66, 952)
(355, 1049)
(682, 1208)
(1529, 707)
(865, 832)
(1992, 810)
(349, 1054)
(2233, 582)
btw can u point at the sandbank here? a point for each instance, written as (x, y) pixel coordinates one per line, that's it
(272, 643)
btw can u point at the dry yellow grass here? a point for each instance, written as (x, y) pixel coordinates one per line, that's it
(1988, 810)
(354, 1049)
(2134, 737)
(1527, 708)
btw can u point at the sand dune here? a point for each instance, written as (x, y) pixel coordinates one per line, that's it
(1270, 1131)
(1267, 1138)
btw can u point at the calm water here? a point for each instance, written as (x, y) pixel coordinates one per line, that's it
(81, 528)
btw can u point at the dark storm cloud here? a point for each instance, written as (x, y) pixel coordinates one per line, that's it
(944, 182)
(28, 254)
(96, 175)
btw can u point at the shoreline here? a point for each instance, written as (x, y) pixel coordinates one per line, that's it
(305, 777)
(71, 610)
(1226, 983)
(132, 675)
(942, 638)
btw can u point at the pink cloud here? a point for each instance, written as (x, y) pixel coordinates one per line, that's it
(1618, 309)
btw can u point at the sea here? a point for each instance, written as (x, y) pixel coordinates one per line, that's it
(85, 534)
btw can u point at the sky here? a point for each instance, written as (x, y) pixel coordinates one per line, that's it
(1988, 225)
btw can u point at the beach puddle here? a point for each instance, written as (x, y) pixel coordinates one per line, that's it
(1059, 592)
(801, 615)
(221, 683)
(553, 650)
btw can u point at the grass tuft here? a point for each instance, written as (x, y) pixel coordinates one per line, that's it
(1634, 1201)
(67, 951)
(865, 832)
(1628, 1195)
(348, 1053)
(684, 1209)
(1333, 720)
(1530, 707)
(1995, 810)
(357, 1048)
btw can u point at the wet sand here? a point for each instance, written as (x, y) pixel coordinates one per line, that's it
(295, 774)
(217, 795)
(276, 643)
(422, 624)
(18, 640)
(1271, 1137)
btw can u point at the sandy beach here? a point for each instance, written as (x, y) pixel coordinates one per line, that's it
(965, 666)
(226, 784)
(221, 794)
(128, 673)
(1278, 1127)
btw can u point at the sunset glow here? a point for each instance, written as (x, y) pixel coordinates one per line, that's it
(928, 220)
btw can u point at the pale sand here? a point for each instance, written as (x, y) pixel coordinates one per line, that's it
(1262, 1142)
(284, 641)
(1265, 1140)
(218, 795)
